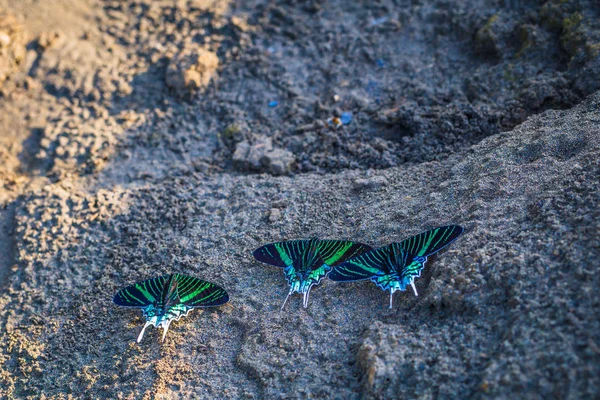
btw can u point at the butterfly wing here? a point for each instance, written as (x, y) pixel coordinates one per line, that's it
(318, 256)
(307, 262)
(194, 292)
(335, 252)
(402, 268)
(405, 259)
(313, 274)
(430, 242)
(281, 254)
(141, 294)
(408, 258)
(307, 270)
(364, 266)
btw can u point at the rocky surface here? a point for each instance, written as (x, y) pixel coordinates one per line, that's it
(149, 137)
(12, 45)
(191, 70)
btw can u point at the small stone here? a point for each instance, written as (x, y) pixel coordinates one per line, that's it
(274, 215)
(278, 161)
(49, 39)
(486, 39)
(262, 157)
(346, 117)
(4, 39)
(375, 182)
(12, 45)
(240, 154)
(240, 23)
(189, 70)
(63, 140)
(248, 157)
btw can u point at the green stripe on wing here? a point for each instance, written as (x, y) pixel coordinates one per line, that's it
(281, 254)
(169, 297)
(334, 252)
(307, 262)
(364, 266)
(194, 292)
(394, 267)
(432, 241)
(141, 294)
(403, 259)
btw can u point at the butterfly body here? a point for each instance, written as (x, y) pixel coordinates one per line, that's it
(167, 298)
(306, 263)
(395, 266)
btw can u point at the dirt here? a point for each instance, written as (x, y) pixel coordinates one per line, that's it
(143, 137)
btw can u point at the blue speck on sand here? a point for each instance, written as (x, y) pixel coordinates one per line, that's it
(380, 63)
(273, 104)
(346, 118)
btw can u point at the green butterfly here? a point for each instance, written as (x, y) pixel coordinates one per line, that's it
(167, 298)
(396, 266)
(306, 262)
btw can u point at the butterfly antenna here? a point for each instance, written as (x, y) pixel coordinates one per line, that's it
(414, 288)
(139, 339)
(391, 298)
(285, 301)
(165, 330)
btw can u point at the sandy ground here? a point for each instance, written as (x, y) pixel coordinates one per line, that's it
(143, 137)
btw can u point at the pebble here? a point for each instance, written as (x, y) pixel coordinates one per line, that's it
(191, 69)
(346, 118)
(374, 182)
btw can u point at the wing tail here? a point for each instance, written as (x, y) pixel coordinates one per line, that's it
(141, 335)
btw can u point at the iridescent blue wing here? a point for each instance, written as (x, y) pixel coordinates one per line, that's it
(306, 270)
(333, 252)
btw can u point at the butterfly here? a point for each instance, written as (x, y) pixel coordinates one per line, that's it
(306, 262)
(396, 265)
(167, 298)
